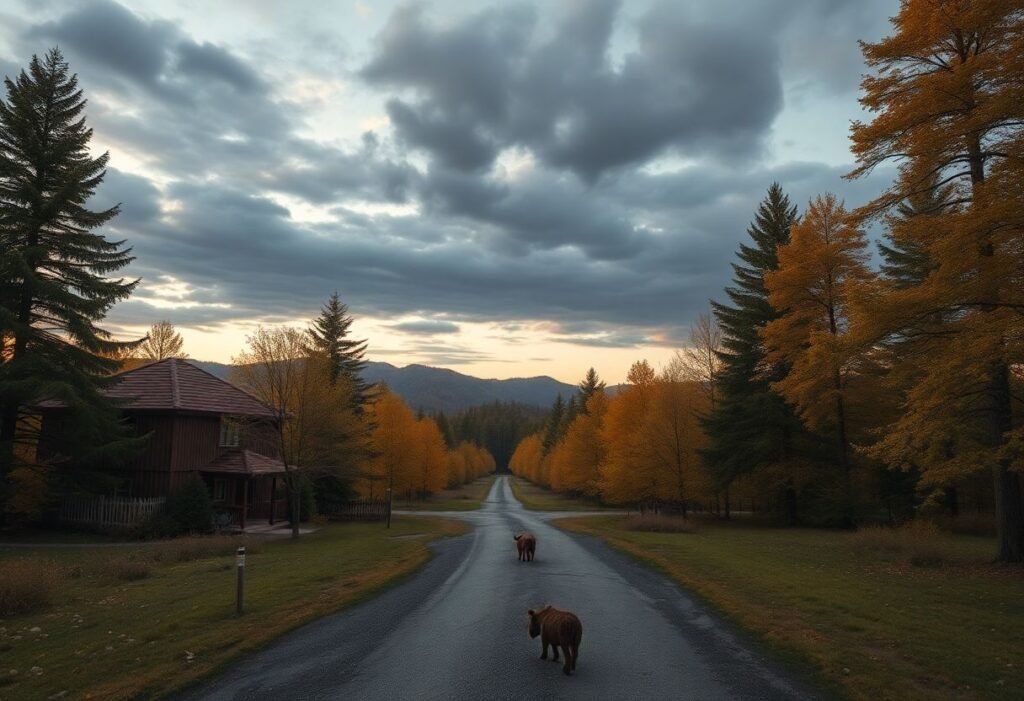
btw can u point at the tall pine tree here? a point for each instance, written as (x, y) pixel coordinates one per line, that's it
(329, 333)
(55, 287)
(905, 262)
(590, 385)
(553, 427)
(751, 425)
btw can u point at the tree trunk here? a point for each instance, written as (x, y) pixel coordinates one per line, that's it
(1007, 486)
(1009, 514)
(790, 507)
(952, 499)
(728, 507)
(296, 506)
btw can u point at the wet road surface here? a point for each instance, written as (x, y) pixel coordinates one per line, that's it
(457, 630)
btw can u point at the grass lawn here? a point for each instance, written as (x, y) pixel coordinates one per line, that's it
(145, 622)
(851, 608)
(464, 498)
(537, 498)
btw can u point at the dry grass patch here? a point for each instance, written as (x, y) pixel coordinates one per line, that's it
(198, 548)
(918, 543)
(126, 568)
(27, 585)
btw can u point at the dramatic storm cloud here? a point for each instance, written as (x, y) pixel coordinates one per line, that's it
(525, 182)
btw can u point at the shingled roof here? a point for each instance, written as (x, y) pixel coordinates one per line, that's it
(244, 462)
(177, 385)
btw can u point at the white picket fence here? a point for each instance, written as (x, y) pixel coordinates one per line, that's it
(108, 512)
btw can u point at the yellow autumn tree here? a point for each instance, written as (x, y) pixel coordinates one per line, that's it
(431, 457)
(456, 468)
(947, 105)
(577, 459)
(627, 475)
(393, 442)
(675, 438)
(825, 257)
(526, 460)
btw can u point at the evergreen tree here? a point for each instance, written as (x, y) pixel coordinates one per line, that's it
(906, 261)
(591, 384)
(572, 410)
(446, 429)
(751, 425)
(553, 427)
(55, 287)
(329, 333)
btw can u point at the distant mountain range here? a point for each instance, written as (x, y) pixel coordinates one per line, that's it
(438, 389)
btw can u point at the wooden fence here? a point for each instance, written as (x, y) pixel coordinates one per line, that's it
(108, 512)
(361, 510)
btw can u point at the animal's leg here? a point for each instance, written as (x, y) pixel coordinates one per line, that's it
(567, 667)
(554, 647)
(575, 654)
(544, 648)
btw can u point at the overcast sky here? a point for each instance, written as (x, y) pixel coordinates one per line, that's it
(508, 190)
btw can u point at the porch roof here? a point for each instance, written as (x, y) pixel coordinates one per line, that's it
(244, 462)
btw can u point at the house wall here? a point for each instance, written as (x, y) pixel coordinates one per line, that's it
(196, 442)
(179, 444)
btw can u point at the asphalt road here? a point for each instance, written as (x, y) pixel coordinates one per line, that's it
(457, 630)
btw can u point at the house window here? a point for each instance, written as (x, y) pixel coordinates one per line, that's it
(229, 430)
(220, 489)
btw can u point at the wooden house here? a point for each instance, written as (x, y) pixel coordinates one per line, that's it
(196, 423)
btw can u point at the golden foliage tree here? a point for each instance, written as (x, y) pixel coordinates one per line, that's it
(675, 437)
(431, 457)
(627, 474)
(395, 464)
(577, 459)
(825, 257)
(526, 459)
(948, 106)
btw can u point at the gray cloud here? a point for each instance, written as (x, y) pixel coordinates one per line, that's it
(487, 83)
(609, 252)
(213, 61)
(114, 38)
(426, 327)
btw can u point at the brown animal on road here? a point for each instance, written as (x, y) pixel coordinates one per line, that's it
(557, 629)
(526, 544)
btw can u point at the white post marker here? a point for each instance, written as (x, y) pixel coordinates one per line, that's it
(240, 593)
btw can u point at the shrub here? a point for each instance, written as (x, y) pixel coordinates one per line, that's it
(158, 526)
(660, 523)
(969, 524)
(26, 586)
(191, 506)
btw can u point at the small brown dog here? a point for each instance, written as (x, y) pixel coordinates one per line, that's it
(526, 544)
(557, 629)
